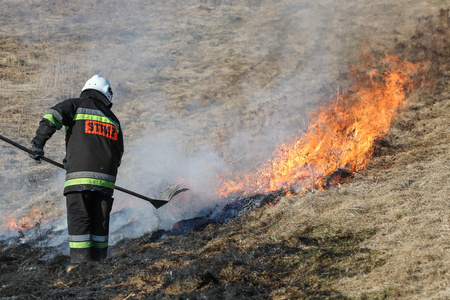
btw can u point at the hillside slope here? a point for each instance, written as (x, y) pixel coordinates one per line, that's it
(384, 235)
(237, 78)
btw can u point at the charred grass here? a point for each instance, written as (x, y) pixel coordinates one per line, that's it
(235, 261)
(383, 235)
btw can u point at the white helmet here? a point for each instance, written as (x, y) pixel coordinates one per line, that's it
(100, 84)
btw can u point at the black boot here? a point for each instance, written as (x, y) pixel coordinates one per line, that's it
(98, 254)
(80, 255)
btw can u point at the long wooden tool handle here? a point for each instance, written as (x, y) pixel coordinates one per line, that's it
(156, 202)
(31, 152)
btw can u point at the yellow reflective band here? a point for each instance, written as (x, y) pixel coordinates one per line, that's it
(80, 245)
(90, 181)
(100, 245)
(52, 119)
(78, 117)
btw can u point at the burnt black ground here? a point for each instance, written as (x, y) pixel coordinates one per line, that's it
(129, 262)
(188, 271)
(192, 267)
(211, 261)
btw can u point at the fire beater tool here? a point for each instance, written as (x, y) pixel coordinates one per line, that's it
(157, 203)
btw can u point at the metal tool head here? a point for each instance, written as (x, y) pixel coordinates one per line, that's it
(172, 192)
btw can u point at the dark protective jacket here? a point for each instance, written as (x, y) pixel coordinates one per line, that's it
(94, 141)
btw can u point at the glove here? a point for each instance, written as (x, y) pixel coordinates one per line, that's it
(37, 147)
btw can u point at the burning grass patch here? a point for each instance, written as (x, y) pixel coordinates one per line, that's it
(384, 234)
(341, 135)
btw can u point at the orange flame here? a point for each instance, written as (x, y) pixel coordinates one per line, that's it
(341, 134)
(34, 219)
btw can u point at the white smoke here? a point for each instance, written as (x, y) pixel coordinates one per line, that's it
(154, 165)
(201, 88)
(191, 111)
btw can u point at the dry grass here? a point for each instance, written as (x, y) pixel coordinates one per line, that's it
(403, 198)
(240, 77)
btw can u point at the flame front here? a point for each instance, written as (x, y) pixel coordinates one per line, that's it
(33, 219)
(341, 134)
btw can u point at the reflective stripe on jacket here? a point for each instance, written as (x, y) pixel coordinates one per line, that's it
(94, 141)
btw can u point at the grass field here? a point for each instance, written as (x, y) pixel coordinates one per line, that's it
(210, 87)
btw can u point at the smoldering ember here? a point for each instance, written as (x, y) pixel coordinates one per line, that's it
(310, 137)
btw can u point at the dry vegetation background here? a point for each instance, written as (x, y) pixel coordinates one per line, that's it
(207, 86)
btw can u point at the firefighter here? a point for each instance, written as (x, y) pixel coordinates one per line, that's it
(94, 148)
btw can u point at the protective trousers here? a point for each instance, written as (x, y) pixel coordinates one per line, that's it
(88, 223)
